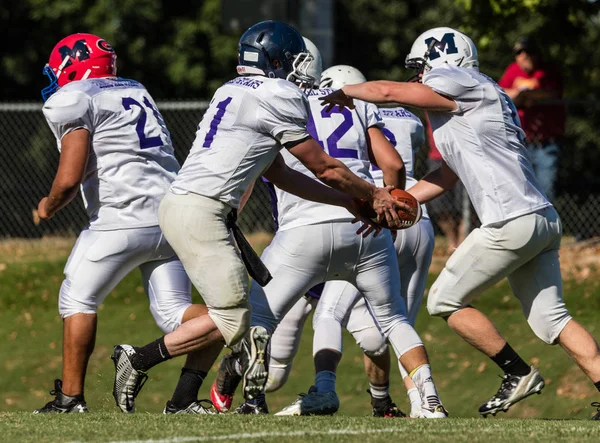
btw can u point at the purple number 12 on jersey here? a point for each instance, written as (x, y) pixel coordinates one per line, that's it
(214, 124)
(336, 135)
(145, 142)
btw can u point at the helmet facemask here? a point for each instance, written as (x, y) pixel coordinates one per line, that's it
(419, 64)
(299, 73)
(53, 86)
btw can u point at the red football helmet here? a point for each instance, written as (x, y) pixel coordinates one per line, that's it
(77, 57)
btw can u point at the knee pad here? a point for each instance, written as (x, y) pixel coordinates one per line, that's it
(233, 323)
(438, 307)
(279, 372)
(169, 318)
(548, 330)
(328, 335)
(68, 305)
(371, 341)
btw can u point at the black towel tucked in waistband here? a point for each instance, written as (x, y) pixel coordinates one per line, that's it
(256, 268)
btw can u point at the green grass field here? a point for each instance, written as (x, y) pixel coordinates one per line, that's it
(30, 332)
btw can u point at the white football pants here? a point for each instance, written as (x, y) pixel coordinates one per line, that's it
(302, 257)
(101, 259)
(195, 227)
(525, 250)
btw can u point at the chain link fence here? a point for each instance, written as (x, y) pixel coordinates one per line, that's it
(29, 159)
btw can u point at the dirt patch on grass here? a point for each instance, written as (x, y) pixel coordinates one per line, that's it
(44, 249)
(575, 385)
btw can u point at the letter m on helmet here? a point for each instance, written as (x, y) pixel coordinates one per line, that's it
(446, 45)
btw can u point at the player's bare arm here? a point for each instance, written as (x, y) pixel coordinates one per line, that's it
(383, 155)
(75, 148)
(305, 187)
(334, 173)
(383, 91)
(434, 184)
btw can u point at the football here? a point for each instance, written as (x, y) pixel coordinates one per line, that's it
(408, 219)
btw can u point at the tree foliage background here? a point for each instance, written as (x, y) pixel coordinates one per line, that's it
(182, 50)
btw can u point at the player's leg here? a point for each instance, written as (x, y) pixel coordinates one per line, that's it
(376, 359)
(99, 260)
(330, 312)
(283, 347)
(286, 341)
(415, 250)
(486, 257)
(538, 286)
(378, 278)
(296, 266)
(298, 260)
(169, 292)
(195, 227)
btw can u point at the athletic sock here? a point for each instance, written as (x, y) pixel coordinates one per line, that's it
(187, 387)
(379, 391)
(421, 377)
(415, 399)
(510, 362)
(260, 398)
(597, 384)
(150, 355)
(325, 381)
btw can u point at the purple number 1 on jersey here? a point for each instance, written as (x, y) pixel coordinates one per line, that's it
(214, 124)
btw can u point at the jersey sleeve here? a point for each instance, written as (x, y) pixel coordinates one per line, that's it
(455, 84)
(418, 135)
(285, 114)
(374, 118)
(67, 111)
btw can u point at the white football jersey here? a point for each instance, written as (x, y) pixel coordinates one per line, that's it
(483, 143)
(342, 134)
(405, 132)
(131, 162)
(245, 126)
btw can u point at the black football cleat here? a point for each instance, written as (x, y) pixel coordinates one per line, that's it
(62, 403)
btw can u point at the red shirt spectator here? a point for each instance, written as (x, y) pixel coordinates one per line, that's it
(540, 121)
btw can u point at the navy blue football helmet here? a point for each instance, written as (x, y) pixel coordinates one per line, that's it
(276, 50)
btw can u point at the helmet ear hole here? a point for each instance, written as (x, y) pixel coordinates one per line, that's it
(72, 75)
(277, 64)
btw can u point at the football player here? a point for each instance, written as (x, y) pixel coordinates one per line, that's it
(414, 247)
(313, 244)
(286, 339)
(249, 120)
(114, 144)
(477, 130)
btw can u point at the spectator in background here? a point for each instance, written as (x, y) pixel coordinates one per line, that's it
(536, 88)
(446, 210)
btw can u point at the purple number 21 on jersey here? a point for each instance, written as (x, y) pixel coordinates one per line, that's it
(214, 124)
(145, 142)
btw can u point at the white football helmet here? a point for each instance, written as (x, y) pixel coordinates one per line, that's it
(316, 67)
(441, 45)
(339, 76)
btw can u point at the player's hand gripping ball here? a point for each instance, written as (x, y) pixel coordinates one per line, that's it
(408, 218)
